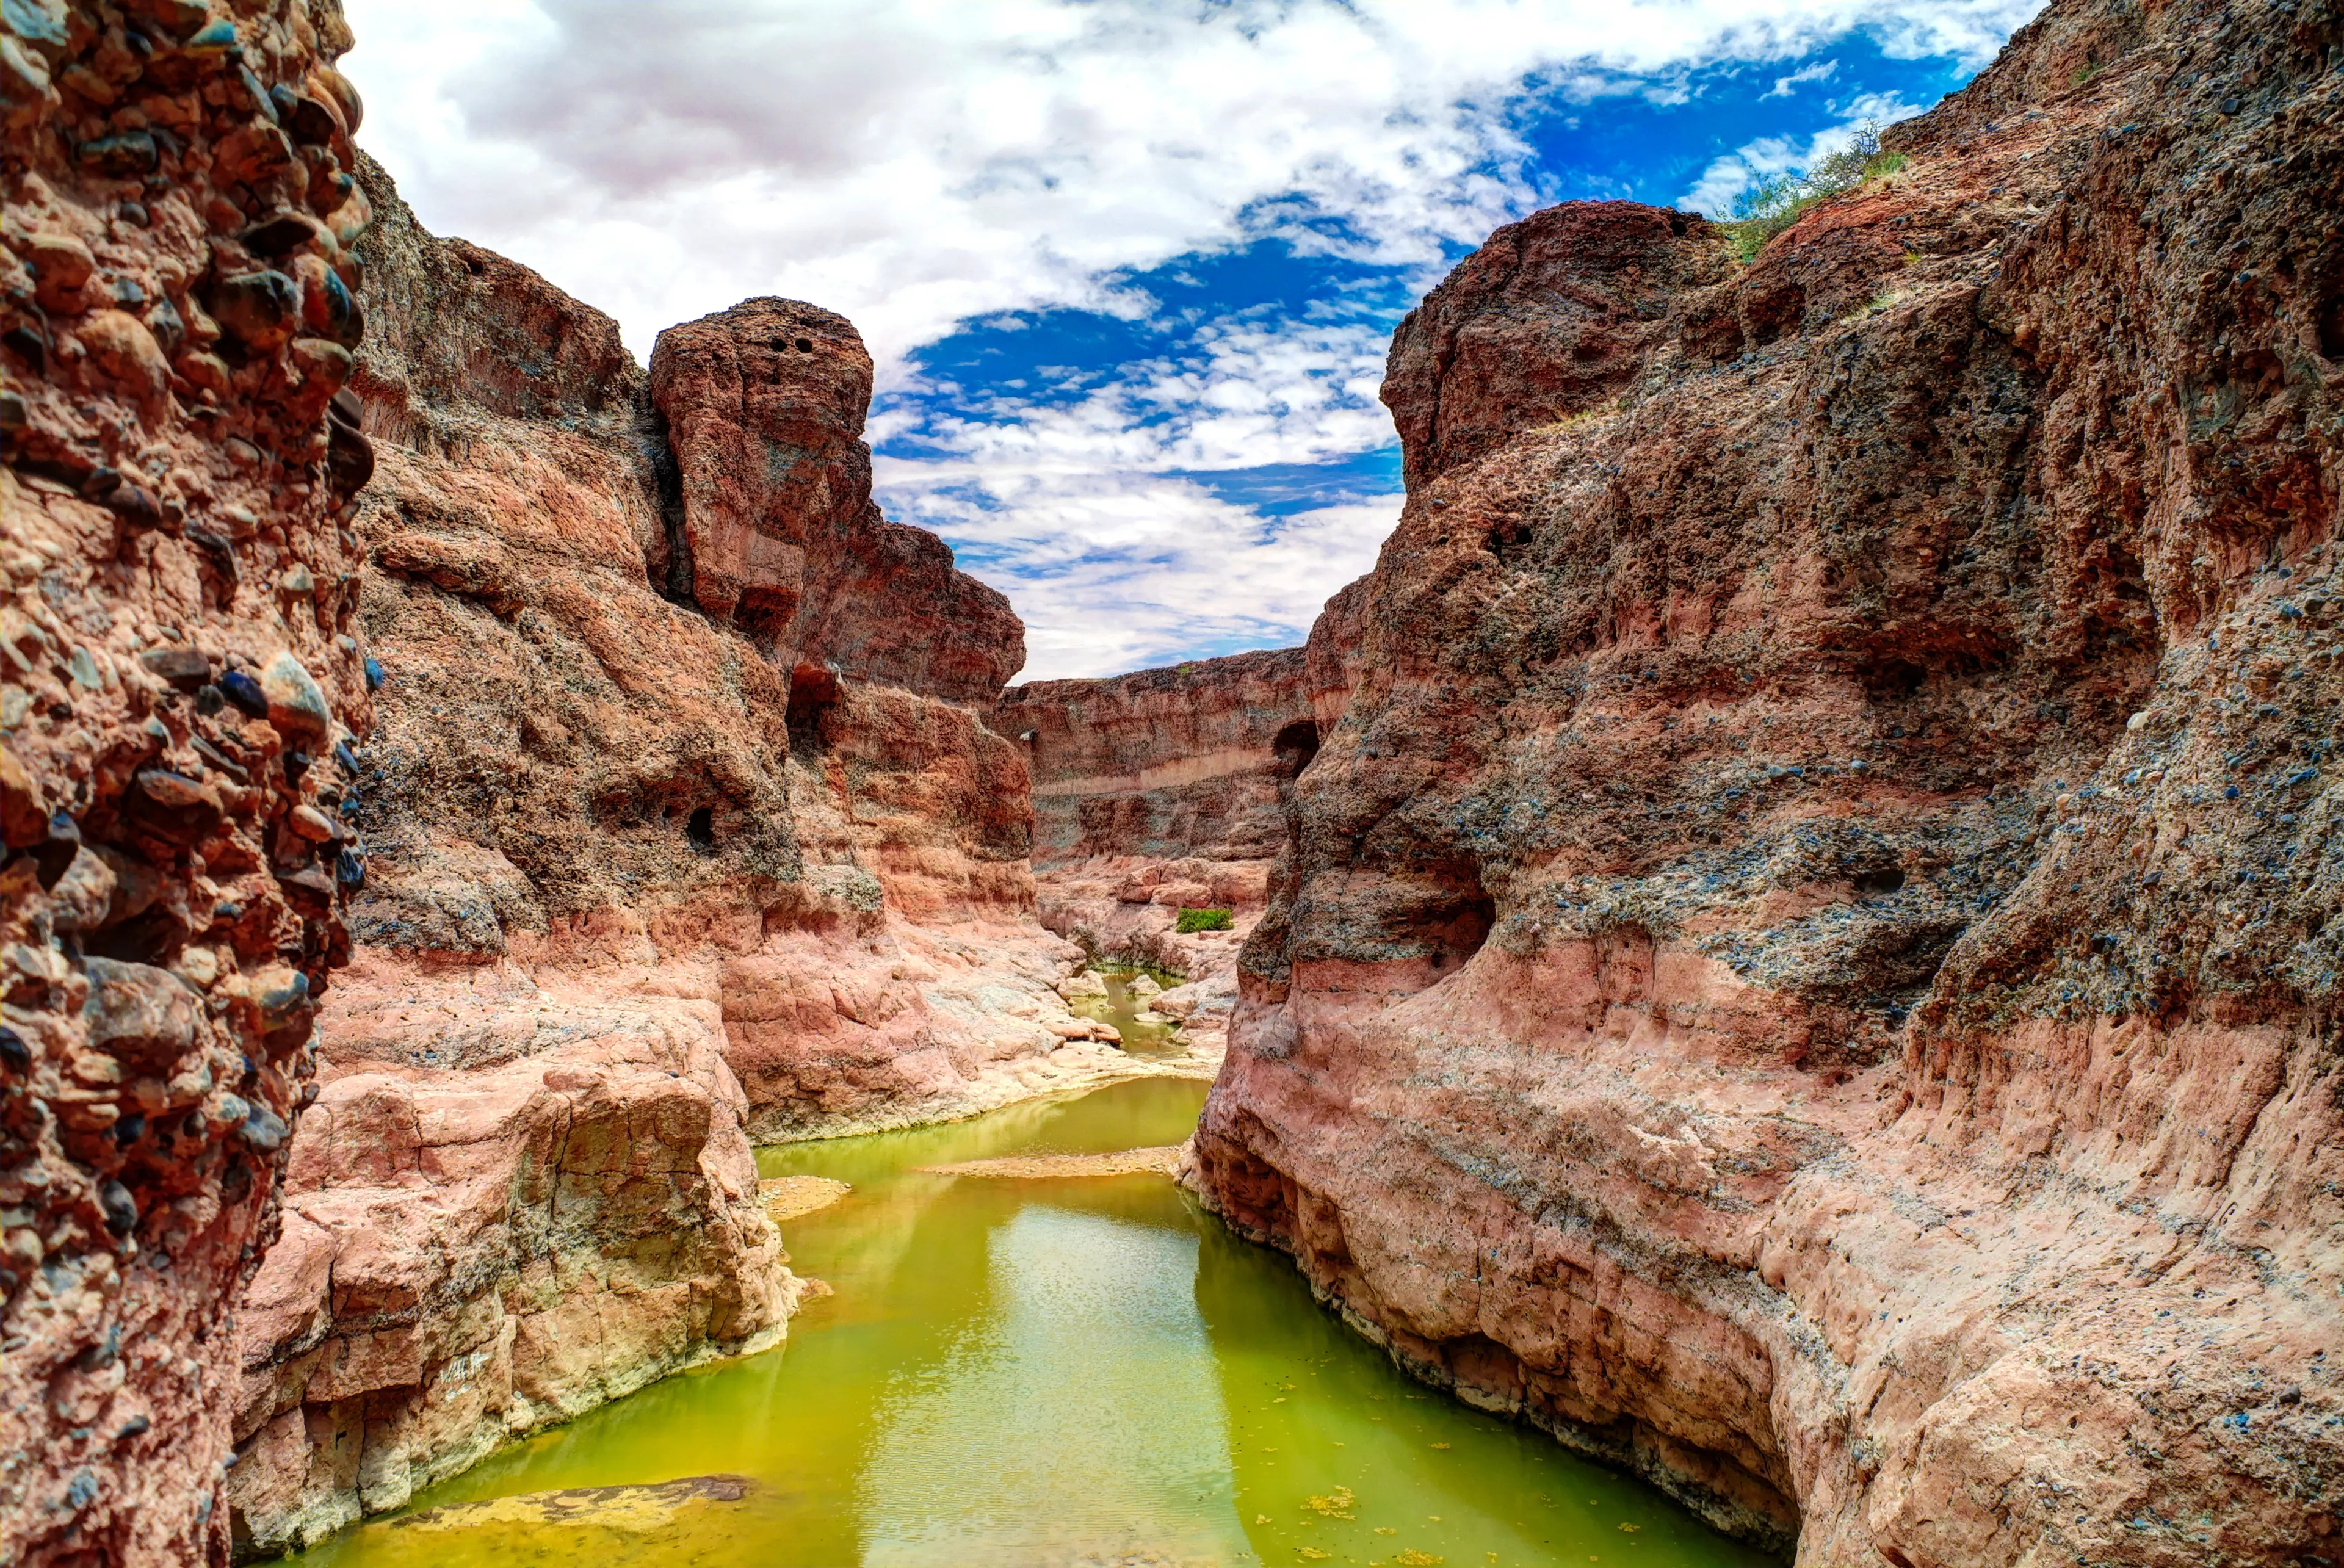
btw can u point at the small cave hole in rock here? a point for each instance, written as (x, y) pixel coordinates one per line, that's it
(1294, 747)
(1879, 883)
(1895, 681)
(2332, 328)
(813, 693)
(700, 829)
(805, 345)
(1455, 921)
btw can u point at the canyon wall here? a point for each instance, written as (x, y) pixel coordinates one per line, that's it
(681, 829)
(1807, 966)
(180, 667)
(1164, 789)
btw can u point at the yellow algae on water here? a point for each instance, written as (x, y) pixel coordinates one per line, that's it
(1334, 1505)
(1013, 1372)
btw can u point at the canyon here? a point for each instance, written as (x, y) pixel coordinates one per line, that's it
(381, 632)
(1783, 936)
(1806, 965)
(683, 831)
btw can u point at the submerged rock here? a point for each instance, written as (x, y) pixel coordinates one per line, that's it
(581, 1511)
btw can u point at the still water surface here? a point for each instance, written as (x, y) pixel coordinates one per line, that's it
(1048, 1374)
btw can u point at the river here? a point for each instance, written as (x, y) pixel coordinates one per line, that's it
(1074, 1372)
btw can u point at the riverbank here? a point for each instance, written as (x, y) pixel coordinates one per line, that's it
(1054, 1370)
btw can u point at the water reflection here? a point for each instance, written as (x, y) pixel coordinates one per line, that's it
(1074, 1371)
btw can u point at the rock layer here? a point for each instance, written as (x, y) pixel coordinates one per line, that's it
(650, 873)
(1803, 967)
(1164, 789)
(179, 669)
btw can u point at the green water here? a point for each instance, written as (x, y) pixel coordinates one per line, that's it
(1036, 1373)
(1121, 1009)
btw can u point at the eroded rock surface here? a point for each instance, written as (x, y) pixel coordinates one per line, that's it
(180, 670)
(773, 527)
(1804, 966)
(1163, 789)
(648, 876)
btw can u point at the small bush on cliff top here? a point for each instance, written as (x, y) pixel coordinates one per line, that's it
(1772, 205)
(1194, 920)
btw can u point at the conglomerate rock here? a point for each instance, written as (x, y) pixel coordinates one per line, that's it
(647, 877)
(180, 677)
(1807, 966)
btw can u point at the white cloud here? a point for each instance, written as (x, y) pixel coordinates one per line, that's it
(1077, 509)
(1821, 71)
(912, 163)
(1145, 570)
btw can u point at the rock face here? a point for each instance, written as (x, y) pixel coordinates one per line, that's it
(179, 665)
(774, 528)
(1163, 790)
(1165, 764)
(1804, 966)
(650, 873)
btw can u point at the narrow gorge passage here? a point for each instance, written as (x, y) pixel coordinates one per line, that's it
(1066, 1371)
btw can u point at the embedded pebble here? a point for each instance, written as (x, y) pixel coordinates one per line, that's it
(245, 694)
(184, 668)
(295, 704)
(262, 308)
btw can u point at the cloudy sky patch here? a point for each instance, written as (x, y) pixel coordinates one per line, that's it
(1128, 267)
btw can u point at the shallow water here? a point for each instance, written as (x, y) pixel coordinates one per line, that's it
(1034, 1373)
(1121, 1009)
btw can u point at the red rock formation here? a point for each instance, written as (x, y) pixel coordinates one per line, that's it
(643, 882)
(764, 407)
(1803, 967)
(178, 665)
(1166, 764)
(1163, 790)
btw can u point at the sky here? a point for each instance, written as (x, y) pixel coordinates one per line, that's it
(1129, 269)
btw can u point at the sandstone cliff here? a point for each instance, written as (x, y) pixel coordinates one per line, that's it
(1806, 965)
(180, 677)
(1164, 789)
(682, 828)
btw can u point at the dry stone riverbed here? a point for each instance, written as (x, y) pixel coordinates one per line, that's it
(1078, 1371)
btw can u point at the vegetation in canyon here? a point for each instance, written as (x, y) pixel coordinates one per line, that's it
(1777, 952)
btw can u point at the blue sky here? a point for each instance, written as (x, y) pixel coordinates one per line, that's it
(1128, 267)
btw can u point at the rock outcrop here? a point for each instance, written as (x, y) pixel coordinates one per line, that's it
(1806, 965)
(181, 678)
(1164, 789)
(682, 828)
(773, 527)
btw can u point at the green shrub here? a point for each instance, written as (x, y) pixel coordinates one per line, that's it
(1193, 920)
(1772, 205)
